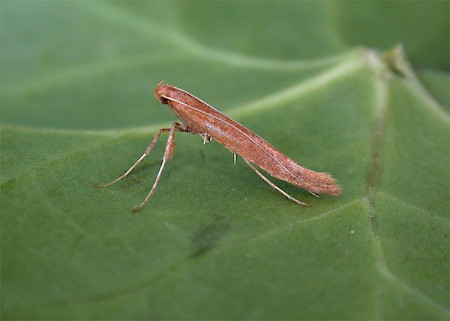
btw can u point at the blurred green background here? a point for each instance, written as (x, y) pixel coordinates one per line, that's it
(318, 79)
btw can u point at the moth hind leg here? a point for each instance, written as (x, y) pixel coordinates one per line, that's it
(273, 185)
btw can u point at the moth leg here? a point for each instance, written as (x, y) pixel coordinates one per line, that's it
(206, 138)
(147, 151)
(234, 158)
(273, 185)
(168, 153)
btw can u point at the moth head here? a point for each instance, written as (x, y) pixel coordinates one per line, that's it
(161, 92)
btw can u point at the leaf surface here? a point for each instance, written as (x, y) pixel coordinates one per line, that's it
(216, 242)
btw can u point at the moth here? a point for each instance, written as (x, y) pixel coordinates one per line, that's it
(198, 117)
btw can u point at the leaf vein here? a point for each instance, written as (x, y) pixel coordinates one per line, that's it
(374, 182)
(146, 27)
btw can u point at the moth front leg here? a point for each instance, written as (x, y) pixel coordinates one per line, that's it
(168, 153)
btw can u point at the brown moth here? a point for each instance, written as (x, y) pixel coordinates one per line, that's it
(197, 117)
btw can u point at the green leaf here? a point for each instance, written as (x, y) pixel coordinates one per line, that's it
(215, 241)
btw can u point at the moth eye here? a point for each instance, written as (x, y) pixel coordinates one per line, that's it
(164, 100)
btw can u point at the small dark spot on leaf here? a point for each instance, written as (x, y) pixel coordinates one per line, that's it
(9, 184)
(207, 237)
